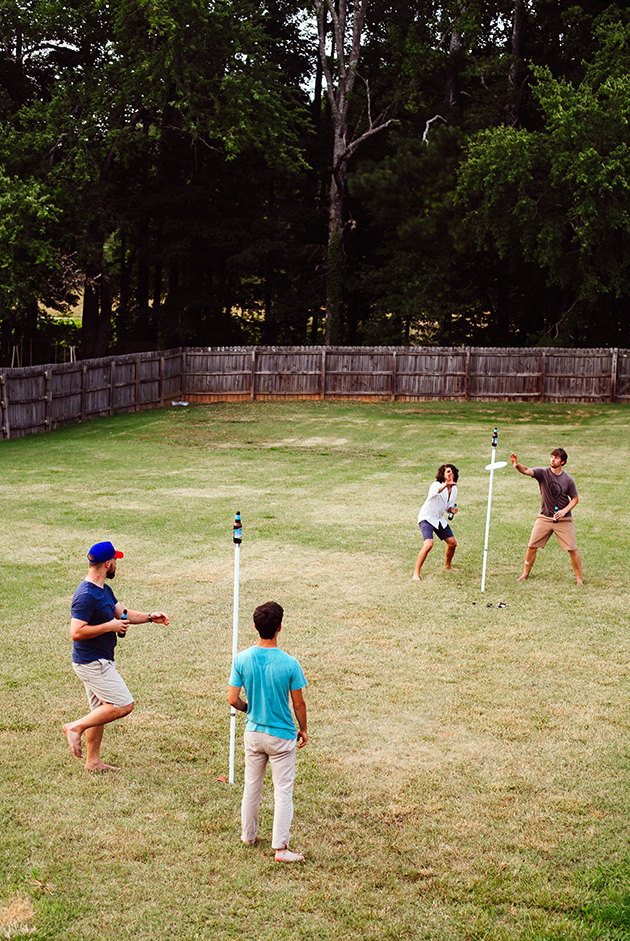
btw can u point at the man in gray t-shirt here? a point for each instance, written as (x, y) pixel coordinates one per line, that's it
(558, 497)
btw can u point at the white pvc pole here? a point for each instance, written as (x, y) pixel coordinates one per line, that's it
(237, 566)
(495, 437)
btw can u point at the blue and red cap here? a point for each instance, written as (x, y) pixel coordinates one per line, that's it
(103, 552)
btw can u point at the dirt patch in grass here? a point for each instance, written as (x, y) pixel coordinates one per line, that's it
(17, 918)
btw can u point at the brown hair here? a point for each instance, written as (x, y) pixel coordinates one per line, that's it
(440, 474)
(561, 453)
(268, 618)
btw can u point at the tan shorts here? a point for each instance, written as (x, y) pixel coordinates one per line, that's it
(103, 683)
(544, 527)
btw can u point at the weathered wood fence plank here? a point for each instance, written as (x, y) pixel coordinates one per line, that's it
(4, 404)
(40, 398)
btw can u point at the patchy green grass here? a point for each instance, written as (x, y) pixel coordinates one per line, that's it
(467, 775)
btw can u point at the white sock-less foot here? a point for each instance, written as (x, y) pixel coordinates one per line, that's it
(286, 856)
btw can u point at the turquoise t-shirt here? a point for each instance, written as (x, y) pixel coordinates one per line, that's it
(268, 674)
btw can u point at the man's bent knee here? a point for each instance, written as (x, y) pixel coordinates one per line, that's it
(428, 544)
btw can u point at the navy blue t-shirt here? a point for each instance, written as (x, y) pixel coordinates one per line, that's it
(94, 605)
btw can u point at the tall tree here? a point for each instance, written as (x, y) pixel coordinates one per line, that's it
(340, 69)
(107, 97)
(559, 197)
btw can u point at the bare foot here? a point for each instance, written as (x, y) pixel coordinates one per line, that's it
(522, 578)
(101, 766)
(415, 578)
(286, 856)
(74, 740)
(451, 568)
(580, 581)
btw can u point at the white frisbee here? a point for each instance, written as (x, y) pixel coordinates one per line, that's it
(496, 465)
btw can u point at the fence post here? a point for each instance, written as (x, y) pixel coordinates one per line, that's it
(112, 387)
(323, 375)
(161, 381)
(613, 374)
(543, 369)
(253, 379)
(467, 376)
(394, 375)
(137, 404)
(4, 403)
(183, 387)
(48, 399)
(83, 393)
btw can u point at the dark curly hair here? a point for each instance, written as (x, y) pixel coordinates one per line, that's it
(440, 474)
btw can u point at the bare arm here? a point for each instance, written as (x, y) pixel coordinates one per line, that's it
(234, 699)
(299, 707)
(567, 509)
(140, 617)
(521, 467)
(81, 630)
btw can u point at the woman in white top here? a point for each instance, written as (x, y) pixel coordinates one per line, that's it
(442, 496)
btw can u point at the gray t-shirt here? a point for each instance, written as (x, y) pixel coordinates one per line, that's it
(556, 490)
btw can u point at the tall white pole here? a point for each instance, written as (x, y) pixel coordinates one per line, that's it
(495, 438)
(238, 535)
(492, 466)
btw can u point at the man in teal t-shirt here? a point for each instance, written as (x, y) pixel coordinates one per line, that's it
(269, 676)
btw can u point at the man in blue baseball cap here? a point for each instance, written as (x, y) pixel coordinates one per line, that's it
(98, 619)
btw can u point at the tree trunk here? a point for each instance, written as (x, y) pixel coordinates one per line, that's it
(518, 29)
(335, 254)
(453, 65)
(91, 309)
(340, 83)
(123, 296)
(97, 308)
(143, 270)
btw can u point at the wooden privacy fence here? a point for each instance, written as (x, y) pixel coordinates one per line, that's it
(408, 373)
(40, 398)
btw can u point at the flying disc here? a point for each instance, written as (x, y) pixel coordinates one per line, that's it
(496, 465)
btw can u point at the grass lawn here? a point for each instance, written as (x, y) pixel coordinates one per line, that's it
(467, 775)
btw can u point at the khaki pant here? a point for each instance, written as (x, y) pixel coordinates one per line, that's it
(261, 748)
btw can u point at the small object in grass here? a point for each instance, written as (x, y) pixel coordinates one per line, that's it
(502, 604)
(489, 605)
(179, 403)
(222, 778)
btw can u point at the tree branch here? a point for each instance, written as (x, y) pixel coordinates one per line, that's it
(425, 136)
(353, 145)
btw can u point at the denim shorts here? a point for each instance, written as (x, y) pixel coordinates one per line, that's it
(427, 530)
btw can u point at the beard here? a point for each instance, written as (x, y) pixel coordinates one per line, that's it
(110, 573)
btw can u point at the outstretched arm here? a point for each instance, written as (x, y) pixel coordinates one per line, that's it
(141, 617)
(521, 467)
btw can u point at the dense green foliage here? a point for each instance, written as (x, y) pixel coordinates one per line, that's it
(171, 161)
